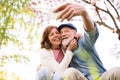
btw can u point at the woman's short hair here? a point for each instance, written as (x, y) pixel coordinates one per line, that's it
(45, 43)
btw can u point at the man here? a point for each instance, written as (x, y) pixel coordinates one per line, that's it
(85, 58)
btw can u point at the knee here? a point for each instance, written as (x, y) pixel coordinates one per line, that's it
(73, 74)
(112, 74)
(57, 76)
(42, 74)
(115, 72)
(69, 74)
(70, 71)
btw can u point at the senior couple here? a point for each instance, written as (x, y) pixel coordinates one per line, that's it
(65, 55)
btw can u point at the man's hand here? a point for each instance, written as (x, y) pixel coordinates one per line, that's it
(68, 11)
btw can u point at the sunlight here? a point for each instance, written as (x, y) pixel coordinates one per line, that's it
(20, 57)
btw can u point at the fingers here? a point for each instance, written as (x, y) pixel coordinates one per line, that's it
(63, 13)
(72, 45)
(66, 11)
(39, 67)
(68, 14)
(74, 42)
(61, 8)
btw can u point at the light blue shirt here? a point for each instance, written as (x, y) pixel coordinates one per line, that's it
(86, 59)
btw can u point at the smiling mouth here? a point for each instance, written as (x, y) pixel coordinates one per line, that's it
(56, 39)
(64, 38)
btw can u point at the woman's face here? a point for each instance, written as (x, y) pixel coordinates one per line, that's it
(54, 38)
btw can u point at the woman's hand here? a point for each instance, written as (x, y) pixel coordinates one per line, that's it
(72, 45)
(39, 67)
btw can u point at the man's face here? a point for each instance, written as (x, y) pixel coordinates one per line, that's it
(67, 35)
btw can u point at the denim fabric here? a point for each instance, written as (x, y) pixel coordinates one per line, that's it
(44, 74)
(57, 76)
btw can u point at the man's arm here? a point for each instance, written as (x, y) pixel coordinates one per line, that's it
(88, 23)
(69, 10)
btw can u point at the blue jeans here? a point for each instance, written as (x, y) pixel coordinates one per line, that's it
(44, 74)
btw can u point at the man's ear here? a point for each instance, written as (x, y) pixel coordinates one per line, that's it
(74, 31)
(77, 36)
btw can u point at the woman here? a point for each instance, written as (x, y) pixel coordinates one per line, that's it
(54, 61)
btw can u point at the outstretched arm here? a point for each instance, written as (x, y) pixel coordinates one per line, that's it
(69, 10)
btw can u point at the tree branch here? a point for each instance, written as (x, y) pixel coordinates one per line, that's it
(101, 22)
(108, 12)
(104, 24)
(114, 8)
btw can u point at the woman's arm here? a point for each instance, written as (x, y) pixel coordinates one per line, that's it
(48, 61)
(66, 60)
(68, 55)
